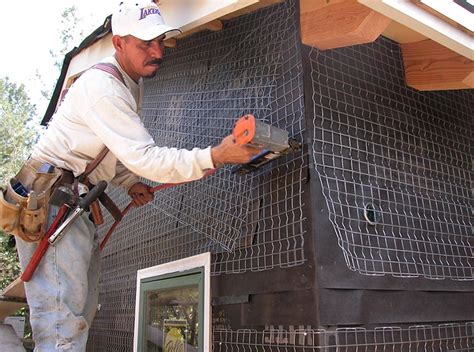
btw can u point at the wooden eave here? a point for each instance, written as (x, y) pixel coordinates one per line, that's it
(214, 21)
(433, 60)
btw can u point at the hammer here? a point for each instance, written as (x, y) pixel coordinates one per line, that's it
(54, 233)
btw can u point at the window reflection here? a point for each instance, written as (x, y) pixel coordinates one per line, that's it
(172, 319)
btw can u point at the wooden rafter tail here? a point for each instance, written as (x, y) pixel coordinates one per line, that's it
(328, 25)
(432, 66)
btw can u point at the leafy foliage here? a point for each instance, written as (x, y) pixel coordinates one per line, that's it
(9, 265)
(69, 33)
(17, 127)
(18, 132)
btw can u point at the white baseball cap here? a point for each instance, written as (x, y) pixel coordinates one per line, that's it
(140, 18)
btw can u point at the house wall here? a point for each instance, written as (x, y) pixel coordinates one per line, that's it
(295, 265)
(409, 154)
(251, 224)
(89, 57)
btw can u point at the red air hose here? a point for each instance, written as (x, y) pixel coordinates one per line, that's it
(130, 205)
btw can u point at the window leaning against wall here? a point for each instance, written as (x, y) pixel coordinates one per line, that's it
(172, 311)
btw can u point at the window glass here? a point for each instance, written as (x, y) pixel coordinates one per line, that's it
(172, 319)
(171, 312)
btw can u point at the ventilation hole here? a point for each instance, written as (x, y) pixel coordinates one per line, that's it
(371, 214)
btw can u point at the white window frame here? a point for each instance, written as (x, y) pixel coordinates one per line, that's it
(177, 267)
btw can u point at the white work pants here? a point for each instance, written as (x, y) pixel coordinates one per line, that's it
(63, 292)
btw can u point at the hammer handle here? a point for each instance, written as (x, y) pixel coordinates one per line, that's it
(44, 243)
(92, 195)
(82, 206)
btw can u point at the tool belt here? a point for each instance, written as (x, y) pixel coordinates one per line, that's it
(25, 201)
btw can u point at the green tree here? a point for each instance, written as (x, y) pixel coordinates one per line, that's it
(18, 132)
(9, 265)
(18, 127)
(69, 34)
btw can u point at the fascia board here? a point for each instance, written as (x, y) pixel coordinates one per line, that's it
(431, 26)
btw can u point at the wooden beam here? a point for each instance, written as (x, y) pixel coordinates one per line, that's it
(214, 26)
(170, 43)
(432, 66)
(213, 20)
(338, 23)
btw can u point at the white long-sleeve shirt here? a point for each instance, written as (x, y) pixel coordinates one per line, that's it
(99, 110)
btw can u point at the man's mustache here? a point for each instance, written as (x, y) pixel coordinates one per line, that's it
(155, 62)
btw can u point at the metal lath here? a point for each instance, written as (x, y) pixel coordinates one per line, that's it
(207, 82)
(451, 337)
(395, 165)
(249, 223)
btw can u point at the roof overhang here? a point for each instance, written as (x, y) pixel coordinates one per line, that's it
(437, 54)
(430, 24)
(437, 48)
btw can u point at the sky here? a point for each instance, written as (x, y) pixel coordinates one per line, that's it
(28, 33)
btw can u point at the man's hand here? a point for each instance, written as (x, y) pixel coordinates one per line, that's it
(228, 152)
(140, 194)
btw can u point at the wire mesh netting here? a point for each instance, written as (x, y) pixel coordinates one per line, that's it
(451, 337)
(249, 223)
(206, 83)
(396, 165)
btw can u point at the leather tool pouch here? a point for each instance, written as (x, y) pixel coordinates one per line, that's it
(27, 218)
(23, 215)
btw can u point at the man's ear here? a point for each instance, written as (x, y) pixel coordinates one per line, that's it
(118, 43)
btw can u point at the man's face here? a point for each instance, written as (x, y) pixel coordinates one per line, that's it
(142, 58)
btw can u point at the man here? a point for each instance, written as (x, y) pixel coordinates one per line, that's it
(99, 111)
